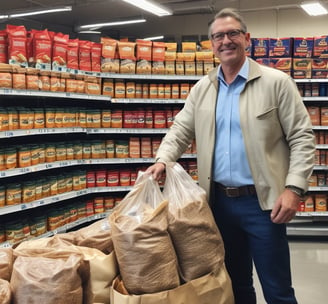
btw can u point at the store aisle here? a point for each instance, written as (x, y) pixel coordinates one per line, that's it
(309, 260)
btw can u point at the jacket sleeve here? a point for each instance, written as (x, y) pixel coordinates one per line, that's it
(297, 126)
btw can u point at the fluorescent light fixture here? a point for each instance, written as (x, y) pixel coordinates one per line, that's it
(150, 7)
(89, 32)
(98, 25)
(314, 9)
(40, 12)
(154, 38)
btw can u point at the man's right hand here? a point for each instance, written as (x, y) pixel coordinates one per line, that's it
(156, 170)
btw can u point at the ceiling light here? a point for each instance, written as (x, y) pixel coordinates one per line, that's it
(314, 8)
(89, 32)
(4, 16)
(150, 7)
(36, 12)
(98, 25)
(154, 38)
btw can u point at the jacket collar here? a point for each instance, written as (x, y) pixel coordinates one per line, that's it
(254, 72)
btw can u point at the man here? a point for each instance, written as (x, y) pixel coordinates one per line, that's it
(255, 153)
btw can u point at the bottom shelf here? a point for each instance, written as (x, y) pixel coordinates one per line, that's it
(308, 229)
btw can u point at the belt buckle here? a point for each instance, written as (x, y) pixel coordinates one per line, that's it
(232, 192)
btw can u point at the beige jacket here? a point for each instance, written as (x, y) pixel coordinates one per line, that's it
(277, 132)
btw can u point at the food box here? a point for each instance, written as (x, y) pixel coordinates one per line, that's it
(260, 47)
(264, 61)
(319, 64)
(303, 47)
(280, 47)
(281, 63)
(320, 46)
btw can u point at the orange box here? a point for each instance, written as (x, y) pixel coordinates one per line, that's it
(146, 148)
(320, 202)
(309, 204)
(313, 181)
(134, 147)
(324, 116)
(315, 114)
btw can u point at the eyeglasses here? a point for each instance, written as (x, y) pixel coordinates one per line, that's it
(233, 34)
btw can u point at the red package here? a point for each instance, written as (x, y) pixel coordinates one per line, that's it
(96, 57)
(59, 51)
(73, 54)
(3, 47)
(42, 46)
(17, 45)
(85, 55)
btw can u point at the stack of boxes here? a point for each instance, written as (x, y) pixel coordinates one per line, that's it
(300, 57)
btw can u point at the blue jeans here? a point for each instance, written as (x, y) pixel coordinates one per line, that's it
(250, 236)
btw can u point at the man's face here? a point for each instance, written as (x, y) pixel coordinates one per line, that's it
(229, 47)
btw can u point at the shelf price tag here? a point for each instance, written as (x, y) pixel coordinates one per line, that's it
(24, 170)
(5, 245)
(9, 133)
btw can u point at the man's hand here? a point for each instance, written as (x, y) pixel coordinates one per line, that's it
(285, 207)
(156, 170)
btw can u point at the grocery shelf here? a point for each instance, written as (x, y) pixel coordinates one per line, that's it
(148, 100)
(307, 229)
(60, 197)
(316, 98)
(47, 131)
(65, 228)
(42, 131)
(49, 94)
(127, 131)
(78, 162)
(303, 80)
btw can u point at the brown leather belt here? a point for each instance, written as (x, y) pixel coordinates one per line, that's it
(236, 191)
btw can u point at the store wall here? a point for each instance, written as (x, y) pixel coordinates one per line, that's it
(285, 23)
(263, 23)
(268, 23)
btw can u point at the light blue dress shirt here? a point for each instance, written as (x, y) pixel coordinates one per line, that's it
(230, 161)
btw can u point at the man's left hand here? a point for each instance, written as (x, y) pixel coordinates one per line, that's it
(285, 207)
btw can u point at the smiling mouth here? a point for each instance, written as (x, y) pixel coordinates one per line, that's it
(227, 50)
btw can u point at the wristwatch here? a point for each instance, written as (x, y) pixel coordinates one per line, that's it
(296, 190)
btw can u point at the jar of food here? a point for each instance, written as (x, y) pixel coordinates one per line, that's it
(24, 156)
(28, 191)
(10, 157)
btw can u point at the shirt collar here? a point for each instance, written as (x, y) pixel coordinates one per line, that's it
(243, 72)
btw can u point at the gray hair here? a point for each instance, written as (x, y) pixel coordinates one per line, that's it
(227, 12)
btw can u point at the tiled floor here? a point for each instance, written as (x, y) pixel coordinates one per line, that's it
(309, 261)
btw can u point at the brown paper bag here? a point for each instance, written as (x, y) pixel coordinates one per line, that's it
(5, 292)
(46, 280)
(212, 288)
(96, 235)
(6, 263)
(97, 270)
(103, 270)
